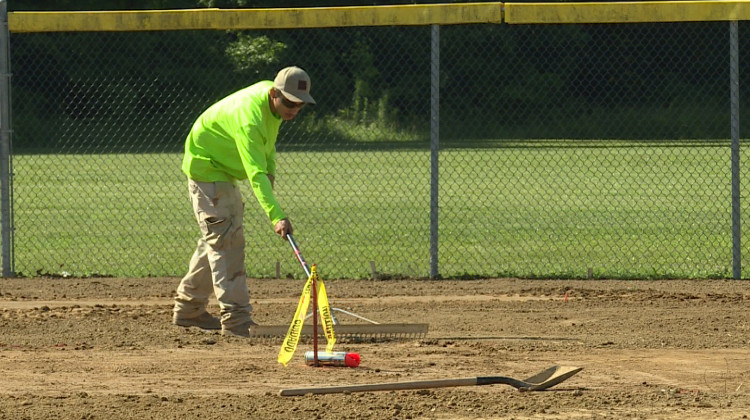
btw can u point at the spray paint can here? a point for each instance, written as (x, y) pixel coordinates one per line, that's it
(336, 358)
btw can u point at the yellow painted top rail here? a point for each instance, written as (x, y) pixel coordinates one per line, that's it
(627, 12)
(402, 15)
(191, 19)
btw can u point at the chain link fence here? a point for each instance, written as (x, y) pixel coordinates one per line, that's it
(564, 150)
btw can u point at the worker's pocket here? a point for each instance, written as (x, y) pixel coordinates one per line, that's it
(214, 204)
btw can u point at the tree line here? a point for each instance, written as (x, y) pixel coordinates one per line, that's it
(533, 76)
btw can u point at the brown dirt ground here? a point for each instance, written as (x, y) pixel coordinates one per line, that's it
(103, 348)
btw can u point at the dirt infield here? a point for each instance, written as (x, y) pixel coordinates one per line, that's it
(104, 348)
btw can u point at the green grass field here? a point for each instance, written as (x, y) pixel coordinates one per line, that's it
(534, 209)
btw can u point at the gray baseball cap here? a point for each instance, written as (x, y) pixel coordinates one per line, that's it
(294, 83)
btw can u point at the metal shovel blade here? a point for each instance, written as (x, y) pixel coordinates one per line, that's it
(549, 377)
(542, 380)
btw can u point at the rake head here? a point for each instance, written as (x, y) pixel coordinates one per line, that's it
(351, 333)
(372, 331)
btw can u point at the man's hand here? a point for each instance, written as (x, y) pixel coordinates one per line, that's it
(283, 227)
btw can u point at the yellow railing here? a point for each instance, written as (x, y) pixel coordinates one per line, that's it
(320, 17)
(627, 12)
(403, 15)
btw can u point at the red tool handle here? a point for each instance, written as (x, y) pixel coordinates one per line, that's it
(300, 258)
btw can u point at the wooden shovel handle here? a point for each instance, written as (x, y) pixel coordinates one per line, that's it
(387, 386)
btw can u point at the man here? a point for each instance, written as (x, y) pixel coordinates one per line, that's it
(232, 140)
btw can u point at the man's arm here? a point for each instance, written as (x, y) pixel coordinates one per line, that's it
(261, 185)
(284, 226)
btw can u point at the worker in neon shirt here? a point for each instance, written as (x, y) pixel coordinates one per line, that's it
(232, 140)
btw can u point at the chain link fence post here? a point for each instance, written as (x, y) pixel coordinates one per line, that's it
(434, 146)
(5, 146)
(735, 132)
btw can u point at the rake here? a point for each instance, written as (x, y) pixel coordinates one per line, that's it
(369, 331)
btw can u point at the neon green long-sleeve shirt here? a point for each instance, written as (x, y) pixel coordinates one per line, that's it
(235, 139)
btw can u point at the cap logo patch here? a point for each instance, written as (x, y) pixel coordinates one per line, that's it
(302, 85)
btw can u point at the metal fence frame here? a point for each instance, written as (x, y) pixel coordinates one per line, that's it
(432, 15)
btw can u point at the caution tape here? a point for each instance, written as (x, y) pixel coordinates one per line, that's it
(289, 346)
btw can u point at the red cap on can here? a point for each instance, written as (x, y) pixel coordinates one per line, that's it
(351, 360)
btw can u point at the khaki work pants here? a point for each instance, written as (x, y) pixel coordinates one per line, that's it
(218, 263)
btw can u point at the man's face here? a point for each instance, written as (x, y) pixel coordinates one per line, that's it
(284, 107)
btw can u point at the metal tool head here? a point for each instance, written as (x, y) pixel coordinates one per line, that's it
(350, 333)
(550, 377)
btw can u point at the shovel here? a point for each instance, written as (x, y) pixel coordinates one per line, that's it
(541, 381)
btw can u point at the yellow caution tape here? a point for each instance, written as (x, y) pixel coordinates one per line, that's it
(325, 313)
(289, 346)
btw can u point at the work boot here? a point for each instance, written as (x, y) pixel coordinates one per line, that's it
(240, 330)
(204, 321)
